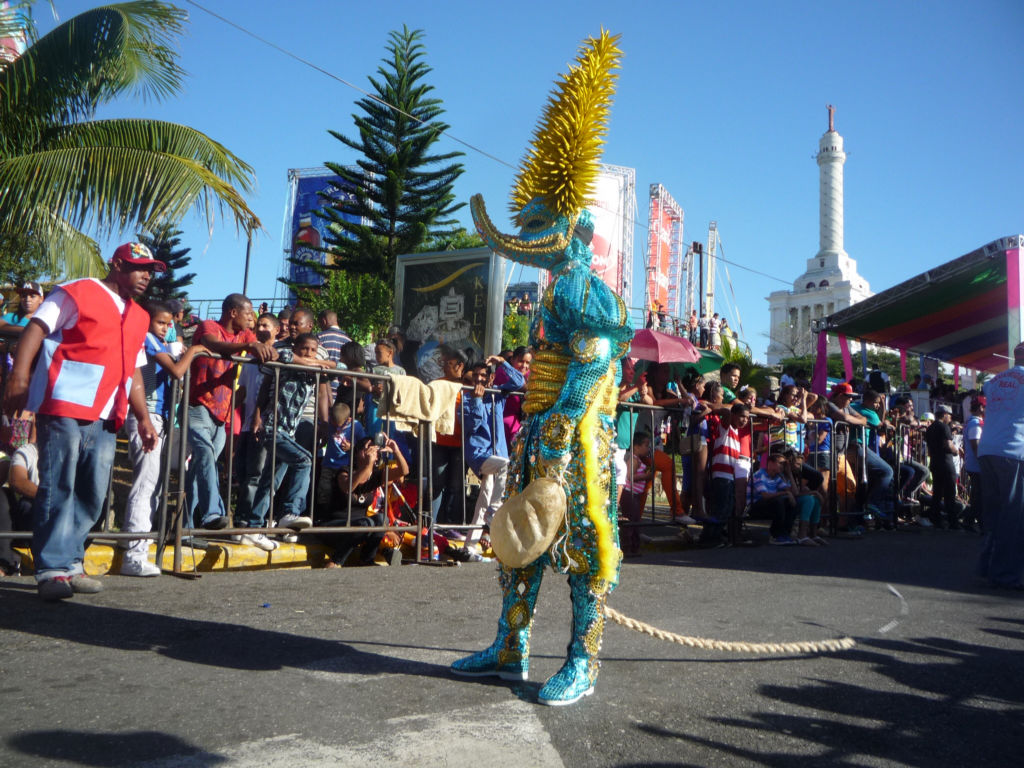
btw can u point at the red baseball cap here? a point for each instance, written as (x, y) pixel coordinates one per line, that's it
(138, 255)
(843, 388)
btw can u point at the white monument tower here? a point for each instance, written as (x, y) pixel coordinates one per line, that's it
(830, 282)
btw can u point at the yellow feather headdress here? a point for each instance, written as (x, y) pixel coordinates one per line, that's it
(562, 164)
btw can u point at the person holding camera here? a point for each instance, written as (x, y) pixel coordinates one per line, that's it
(362, 498)
(486, 449)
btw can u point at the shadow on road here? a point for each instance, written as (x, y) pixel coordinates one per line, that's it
(220, 644)
(953, 711)
(110, 749)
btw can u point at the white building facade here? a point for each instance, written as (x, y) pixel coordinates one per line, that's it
(830, 282)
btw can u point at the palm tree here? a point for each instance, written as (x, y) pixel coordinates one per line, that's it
(62, 173)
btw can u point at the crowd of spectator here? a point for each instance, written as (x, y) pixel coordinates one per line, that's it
(792, 457)
(314, 447)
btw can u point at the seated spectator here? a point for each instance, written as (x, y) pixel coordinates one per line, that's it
(16, 500)
(907, 429)
(344, 433)
(809, 501)
(774, 500)
(486, 452)
(30, 297)
(879, 504)
(157, 373)
(278, 422)
(362, 490)
(631, 505)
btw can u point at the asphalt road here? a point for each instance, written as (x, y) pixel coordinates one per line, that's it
(349, 667)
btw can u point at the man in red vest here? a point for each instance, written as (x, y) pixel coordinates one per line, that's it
(88, 335)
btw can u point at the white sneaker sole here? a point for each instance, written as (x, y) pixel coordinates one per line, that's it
(565, 702)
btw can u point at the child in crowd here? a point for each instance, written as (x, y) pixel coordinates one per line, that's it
(17, 498)
(809, 501)
(486, 452)
(774, 499)
(278, 422)
(345, 432)
(252, 453)
(631, 506)
(725, 459)
(157, 373)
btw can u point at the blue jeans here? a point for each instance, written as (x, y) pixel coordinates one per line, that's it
(879, 480)
(1002, 556)
(206, 438)
(293, 461)
(249, 461)
(449, 502)
(75, 459)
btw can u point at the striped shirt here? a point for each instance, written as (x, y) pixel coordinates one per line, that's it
(763, 483)
(726, 453)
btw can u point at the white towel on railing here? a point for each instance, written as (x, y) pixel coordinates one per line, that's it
(412, 401)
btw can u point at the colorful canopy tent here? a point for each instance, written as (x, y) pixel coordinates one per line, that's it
(967, 311)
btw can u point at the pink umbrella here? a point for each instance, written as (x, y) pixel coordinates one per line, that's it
(662, 348)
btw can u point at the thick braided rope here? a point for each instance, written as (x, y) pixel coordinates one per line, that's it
(707, 644)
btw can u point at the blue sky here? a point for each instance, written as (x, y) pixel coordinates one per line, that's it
(722, 103)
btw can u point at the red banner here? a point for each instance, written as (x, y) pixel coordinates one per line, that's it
(659, 255)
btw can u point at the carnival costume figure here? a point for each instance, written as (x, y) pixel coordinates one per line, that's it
(579, 335)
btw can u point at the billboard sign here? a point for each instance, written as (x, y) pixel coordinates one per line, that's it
(307, 229)
(659, 254)
(609, 212)
(444, 298)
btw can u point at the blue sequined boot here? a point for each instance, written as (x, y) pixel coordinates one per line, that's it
(576, 677)
(508, 657)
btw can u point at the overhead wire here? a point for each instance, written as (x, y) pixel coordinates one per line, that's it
(634, 219)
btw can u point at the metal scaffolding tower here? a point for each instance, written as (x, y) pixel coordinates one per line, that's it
(709, 292)
(690, 297)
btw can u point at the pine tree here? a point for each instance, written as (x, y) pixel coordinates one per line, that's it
(162, 241)
(399, 194)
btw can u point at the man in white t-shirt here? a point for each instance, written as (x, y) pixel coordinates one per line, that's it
(88, 336)
(1001, 456)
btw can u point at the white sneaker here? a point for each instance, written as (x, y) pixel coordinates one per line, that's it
(684, 520)
(139, 568)
(295, 522)
(258, 540)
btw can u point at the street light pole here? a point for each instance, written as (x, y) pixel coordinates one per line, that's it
(245, 279)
